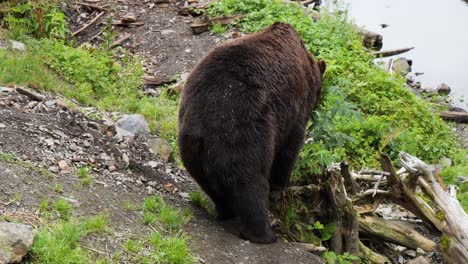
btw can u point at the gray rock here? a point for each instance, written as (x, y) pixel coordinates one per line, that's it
(160, 147)
(411, 253)
(6, 89)
(401, 66)
(184, 195)
(15, 241)
(443, 89)
(12, 44)
(418, 260)
(420, 251)
(130, 125)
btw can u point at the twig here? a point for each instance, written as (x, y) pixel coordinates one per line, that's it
(371, 192)
(376, 187)
(120, 41)
(89, 24)
(94, 250)
(32, 95)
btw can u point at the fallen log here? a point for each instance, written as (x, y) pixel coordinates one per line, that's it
(459, 117)
(372, 256)
(450, 218)
(395, 232)
(389, 53)
(371, 40)
(205, 23)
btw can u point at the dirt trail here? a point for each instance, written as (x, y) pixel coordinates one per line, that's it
(45, 133)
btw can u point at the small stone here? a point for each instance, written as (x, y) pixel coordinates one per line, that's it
(15, 241)
(167, 31)
(418, 260)
(443, 89)
(63, 165)
(410, 253)
(2, 125)
(150, 190)
(50, 103)
(152, 183)
(112, 168)
(400, 248)
(420, 251)
(152, 164)
(49, 142)
(401, 259)
(160, 147)
(184, 195)
(188, 50)
(86, 144)
(125, 158)
(54, 169)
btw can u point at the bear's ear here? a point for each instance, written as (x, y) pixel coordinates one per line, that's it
(322, 66)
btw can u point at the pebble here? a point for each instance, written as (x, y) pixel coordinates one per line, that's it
(411, 253)
(420, 251)
(63, 165)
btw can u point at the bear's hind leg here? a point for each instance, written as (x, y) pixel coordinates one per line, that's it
(252, 208)
(285, 158)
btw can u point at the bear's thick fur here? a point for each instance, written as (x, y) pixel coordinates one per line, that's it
(242, 121)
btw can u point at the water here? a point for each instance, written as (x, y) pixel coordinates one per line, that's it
(437, 29)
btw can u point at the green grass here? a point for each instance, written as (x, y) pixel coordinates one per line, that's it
(155, 209)
(199, 198)
(169, 243)
(218, 28)
(84, 175)
(58, 240)
(172, 249)
(12, 159)
(63, 208)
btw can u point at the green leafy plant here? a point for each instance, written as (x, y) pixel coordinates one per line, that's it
(326, 232)
(333, 258)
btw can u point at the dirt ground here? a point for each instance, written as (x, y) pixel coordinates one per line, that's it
(52, 136)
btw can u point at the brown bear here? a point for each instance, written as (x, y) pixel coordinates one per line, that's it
(242, 121)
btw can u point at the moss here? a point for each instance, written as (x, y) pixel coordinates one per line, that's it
(445, 241)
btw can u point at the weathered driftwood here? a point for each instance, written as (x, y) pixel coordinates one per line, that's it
(371, 40)
(372, 256)
(396, 232)
(346, 238)
(30, 94)
(460, 117)
(205, 23)
(445, 212)
(388, 53)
